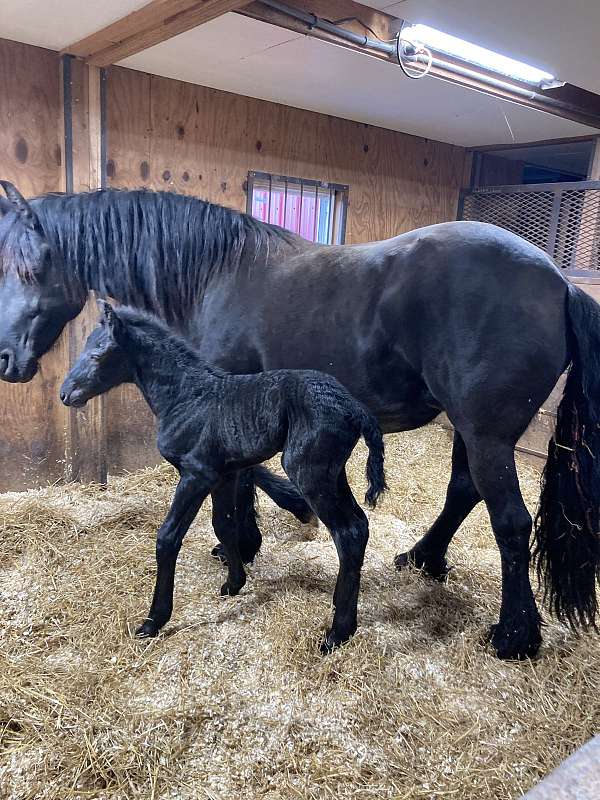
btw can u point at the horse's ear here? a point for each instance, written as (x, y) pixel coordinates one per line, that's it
(19, 204)
(5, 206)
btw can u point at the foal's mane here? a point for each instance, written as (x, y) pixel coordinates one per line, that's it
(145, 328)
(153, 250)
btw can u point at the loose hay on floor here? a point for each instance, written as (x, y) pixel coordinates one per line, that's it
(234, 699)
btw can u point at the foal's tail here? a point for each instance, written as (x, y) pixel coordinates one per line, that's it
(567, 525)
(375, 473)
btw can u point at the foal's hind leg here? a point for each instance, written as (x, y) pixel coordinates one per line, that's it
(337, 509)
(429, 553)
(517, 634)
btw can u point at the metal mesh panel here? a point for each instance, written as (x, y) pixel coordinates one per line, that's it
(562, 219)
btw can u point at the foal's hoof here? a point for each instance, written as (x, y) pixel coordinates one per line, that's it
(148, 630)
(514, 644)
(331, 642)
(218, 552)
(228, 590)
(437, 569)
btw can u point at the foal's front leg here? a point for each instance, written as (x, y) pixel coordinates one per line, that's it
(190, 494)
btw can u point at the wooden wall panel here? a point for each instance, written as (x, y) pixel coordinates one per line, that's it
(204, 142)
(169, 135)
(33, 419)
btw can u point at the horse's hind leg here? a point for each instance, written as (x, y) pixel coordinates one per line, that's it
(226, 532)
(517, 634)
(238, 509)
(429, 553)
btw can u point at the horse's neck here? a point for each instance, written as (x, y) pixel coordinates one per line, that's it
(105, 282)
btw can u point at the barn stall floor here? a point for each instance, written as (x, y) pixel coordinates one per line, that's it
(234, 699)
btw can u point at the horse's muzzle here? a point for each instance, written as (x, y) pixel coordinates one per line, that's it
(12, 371)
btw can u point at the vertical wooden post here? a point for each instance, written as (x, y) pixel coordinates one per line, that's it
(84, 169)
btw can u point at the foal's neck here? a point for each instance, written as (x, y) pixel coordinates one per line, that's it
(168, 373)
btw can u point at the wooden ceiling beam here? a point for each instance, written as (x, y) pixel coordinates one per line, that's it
(155, 22)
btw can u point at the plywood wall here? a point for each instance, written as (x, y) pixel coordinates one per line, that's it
(32, 418)
(170, 135)
(167, 134)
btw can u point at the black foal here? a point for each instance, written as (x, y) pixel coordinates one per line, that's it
(212, 424)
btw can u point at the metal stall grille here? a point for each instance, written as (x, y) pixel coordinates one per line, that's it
(561, 218)
(313, 209)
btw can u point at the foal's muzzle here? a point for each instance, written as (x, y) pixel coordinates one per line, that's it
(75, 398)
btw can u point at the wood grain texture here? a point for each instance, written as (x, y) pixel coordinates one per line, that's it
(86, 432)
(202, 141)
(155, 22)
(169, 135)
(33, 419)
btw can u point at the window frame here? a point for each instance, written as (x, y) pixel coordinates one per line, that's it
(338, 194)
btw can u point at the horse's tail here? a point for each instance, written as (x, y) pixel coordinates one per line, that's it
(567, 525)
(283, 493)
(374, 471)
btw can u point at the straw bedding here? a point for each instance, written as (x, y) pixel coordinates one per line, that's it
(234, 700)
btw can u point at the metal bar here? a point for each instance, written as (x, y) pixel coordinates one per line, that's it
(345, 200)
(285, 201)
(554, 220)
(536, 187)
(269, 203)
(316, 214)
(250, 193)
(103, 128)
(330, 218)
(68, 122)
(442, 68)
(305, 181)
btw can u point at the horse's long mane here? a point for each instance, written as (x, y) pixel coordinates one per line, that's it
(153, 250)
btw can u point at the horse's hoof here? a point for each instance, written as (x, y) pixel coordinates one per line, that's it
(219, 554)
(514, 644)
(148, 630)
(436, 569)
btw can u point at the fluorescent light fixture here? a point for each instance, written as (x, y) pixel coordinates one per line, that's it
(473, 54)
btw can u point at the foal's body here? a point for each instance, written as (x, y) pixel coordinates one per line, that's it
(212, 425)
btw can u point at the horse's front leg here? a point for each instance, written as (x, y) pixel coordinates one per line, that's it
(234, 505)
(191, 492)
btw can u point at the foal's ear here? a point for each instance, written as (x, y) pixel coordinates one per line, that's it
(108, 316)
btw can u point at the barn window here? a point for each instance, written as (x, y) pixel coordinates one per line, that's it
(315, 210)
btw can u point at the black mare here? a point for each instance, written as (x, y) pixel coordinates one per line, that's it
(463, 317)
(212, 425)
